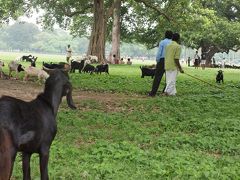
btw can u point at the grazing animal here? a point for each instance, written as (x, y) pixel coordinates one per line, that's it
(30, 127)
(102, 68)
(27, 58)
(77, 65)
(147, 71)
(35, 72)
(219, 77)
(93, 59)
(88, 69)
(33, 62)
(15, 66)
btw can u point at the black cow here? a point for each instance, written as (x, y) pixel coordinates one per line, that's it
(102, 68)
(147, 71)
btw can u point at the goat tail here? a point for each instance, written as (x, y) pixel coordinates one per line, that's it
(5, 154)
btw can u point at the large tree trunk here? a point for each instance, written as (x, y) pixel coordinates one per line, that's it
(116, 30)
(97, 40)
(209, 52)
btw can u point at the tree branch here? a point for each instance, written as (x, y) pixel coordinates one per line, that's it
(110, 11)
(69, 13)
(147, 4)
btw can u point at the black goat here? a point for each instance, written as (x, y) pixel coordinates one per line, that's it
(27, 58)
(77, 65)
(102, 68)
(147, 71)
(30, 127)
(88, 69)
(33, 62)
(219, 77)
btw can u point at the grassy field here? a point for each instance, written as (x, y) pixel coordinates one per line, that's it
(195, 135)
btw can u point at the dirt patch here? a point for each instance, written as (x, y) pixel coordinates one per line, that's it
(29, 90)
(20, 89)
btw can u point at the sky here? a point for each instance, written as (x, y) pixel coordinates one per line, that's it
(32, 19)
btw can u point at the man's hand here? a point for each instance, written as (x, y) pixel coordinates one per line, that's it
(181, 70)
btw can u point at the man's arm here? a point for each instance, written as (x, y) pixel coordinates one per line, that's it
(177, 57)
(178, 65)
(159, 51)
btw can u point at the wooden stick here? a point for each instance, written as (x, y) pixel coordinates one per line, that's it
(204, 81)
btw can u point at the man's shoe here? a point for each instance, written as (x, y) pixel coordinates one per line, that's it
(151, 95)
(164, 94)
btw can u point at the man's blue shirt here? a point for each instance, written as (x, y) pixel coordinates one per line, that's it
(161, 49)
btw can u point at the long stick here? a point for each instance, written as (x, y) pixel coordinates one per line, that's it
(203, 81)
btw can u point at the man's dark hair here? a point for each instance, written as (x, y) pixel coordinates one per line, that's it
(176, 37)
(168, 34)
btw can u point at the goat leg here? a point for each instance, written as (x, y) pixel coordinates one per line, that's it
(44, 156)
(7, 155)
(26, 166)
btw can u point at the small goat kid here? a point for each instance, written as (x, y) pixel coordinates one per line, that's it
(30, 127)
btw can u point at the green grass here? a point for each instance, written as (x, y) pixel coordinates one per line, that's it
(194, 135)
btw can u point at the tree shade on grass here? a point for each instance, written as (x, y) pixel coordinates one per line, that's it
(120, 133)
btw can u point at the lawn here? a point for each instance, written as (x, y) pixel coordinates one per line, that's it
(120, 133)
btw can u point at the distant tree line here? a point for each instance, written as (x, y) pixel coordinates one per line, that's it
(23, 36)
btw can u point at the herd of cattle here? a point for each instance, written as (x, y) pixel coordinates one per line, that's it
(82, 65)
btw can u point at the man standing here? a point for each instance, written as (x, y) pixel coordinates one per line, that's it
(196, 60)
(203, 60)
(69, 53)
(160, 63)
(172, 65)
(188, 61)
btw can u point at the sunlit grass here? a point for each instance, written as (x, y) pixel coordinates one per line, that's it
(194, 135)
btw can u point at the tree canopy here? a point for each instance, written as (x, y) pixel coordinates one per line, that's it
(12, 9)
(212, 25)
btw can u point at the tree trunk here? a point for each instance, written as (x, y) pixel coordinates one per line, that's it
(116, 30)
(209, 52)
(97, 39)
